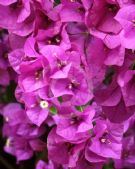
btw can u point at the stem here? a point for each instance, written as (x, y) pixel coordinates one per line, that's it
(5, 163)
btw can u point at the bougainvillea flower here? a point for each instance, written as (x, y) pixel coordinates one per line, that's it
(126, 81)
(4, 77)
(13, 113)
(29, 130)
(46, 5)
(101, 17)
(75, 127)
(4, 48)
(125, 3)
(37, 109)
(21, 8)
(126, 18)
(33, 75)
(119, 113)
(45, 26)
(14, 17)
(42, 165)
(79, 37)
(15, 59)
(20, 41)
(97, 67)
(69, 10)
(20, 148)
(69, 153)
(84, 164)
(128, 153)
(58, 58)
(58, 38)
(70, 65)
(87, 4)
(54, 146)
(25, 56)
(22, 138)
(8, 2)
(75, 85)
(107, 141)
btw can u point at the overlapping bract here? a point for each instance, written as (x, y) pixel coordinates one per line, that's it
(74, 64)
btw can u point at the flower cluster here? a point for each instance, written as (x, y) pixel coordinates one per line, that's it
(74, 65)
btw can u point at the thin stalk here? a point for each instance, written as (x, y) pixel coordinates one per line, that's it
(5, 163)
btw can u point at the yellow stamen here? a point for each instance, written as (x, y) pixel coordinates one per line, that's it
(8, 142)
(49, 41)
(57, 40)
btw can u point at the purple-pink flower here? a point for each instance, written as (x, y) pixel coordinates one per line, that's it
(67, 82)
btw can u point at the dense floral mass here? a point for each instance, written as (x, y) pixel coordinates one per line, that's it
(73, 62)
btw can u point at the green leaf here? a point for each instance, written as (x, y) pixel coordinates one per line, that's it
(79, 108)
(56, 2)
(109, 76)
(9, 95)
(60, 99)
(53, 110)
(132, 66)
(110, 165)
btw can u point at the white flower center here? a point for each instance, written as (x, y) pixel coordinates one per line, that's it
(44, 104)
